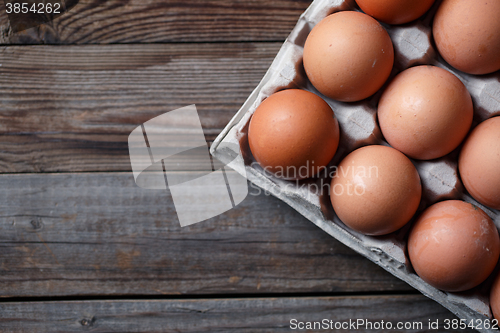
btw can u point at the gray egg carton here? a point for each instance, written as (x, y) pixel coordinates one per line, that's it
(413, 45)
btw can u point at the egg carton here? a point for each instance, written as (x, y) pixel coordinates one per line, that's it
(413, 45)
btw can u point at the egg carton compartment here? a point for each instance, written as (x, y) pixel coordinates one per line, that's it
(413, 45)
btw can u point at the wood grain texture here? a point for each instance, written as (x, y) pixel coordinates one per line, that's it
(72, 108)
(100, 234)
(221, 315)
(153, 21)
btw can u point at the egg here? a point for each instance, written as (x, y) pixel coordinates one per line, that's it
(479, 163)
(495, 297)
(395, 11)
(453, 246)
(467, 34)
(293, 134)
(375, 190)
(348, 56)
(425, 112)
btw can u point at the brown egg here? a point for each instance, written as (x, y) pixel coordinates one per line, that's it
(293, 134)
(495, 297)
(395, 11)
(479, 163)
(467, 34)
(348, 56)
(376, 190)
(453, 246)
(425, 112)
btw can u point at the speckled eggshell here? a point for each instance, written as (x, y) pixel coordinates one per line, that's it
(467, 34)
(376, 190)
(453, 246)
(348, 56)
(425, 112)
(479, 163)
(293, 134)
(395, 11)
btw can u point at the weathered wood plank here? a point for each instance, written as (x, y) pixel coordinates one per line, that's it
(99, 234)
(72, 108)
(154, 21)
(223, 315)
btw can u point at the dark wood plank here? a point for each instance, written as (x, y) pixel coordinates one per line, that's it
(154, 21)
(99, 234)
(72, 108)
(223, 315)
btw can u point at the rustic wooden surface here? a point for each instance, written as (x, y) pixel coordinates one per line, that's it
(100, 234)
(218, 315)
(71, 108)
(155, 21)
(83, 248)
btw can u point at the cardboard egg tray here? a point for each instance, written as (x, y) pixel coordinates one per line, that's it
(413, 45)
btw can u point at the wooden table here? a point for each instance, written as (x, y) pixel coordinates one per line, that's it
(84, 249)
